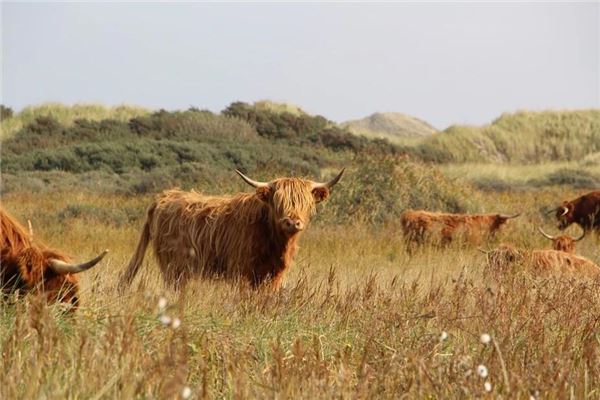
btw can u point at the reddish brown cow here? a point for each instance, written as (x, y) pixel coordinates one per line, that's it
(562, 242)
(583, 211)
(419, 226)
(30, 266)
(251, 236)
(505, 258)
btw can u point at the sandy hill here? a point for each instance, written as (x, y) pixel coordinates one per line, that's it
(390, 125)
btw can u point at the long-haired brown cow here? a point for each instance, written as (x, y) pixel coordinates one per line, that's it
(505, 257)
(29, 266)
(562, 242)
(251, 236)
(419, 226)
(583, 211)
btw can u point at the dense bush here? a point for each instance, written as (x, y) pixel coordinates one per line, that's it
(380, 189)
(5, 112)
(303, 128)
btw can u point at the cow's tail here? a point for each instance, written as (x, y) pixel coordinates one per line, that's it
(138, 257)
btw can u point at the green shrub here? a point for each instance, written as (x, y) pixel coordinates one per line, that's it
(377, 190)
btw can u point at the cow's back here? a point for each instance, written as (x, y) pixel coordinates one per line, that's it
(197, 234)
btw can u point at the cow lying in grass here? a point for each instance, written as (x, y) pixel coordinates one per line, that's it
(505, 257)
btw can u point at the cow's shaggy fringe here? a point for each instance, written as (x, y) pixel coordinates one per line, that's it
(230, 236)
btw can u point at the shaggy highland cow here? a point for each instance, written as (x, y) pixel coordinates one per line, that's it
(555, 262)
(30, 266)
(419, 226)
(562, 242)
(252, 236)
(583, 211)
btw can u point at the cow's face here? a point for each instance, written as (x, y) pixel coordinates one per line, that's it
(62, 288)
(292, 201)
(564, 215)
(564, 243)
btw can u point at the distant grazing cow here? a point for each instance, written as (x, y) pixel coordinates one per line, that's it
(30, 266)
(505, 257)
(251, 236)
(563, 242)
(419, 226)
(584, 211)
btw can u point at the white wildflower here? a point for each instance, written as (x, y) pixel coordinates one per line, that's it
(162, 303)
(443, 336)
(176, 323)
(485, 338)
(186, 392)
(482, 371)
(164, 319)
(488, 386)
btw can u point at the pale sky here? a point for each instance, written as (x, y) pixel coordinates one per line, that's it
(445, 63)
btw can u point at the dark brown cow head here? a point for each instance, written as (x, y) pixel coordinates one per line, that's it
(565, 215)
(291, 201)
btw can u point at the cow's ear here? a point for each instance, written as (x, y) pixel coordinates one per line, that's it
(320, 194)
(264, 193)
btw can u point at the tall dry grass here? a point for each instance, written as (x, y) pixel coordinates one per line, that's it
(357, 318)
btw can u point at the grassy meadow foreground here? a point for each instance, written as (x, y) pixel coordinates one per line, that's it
(357, 318)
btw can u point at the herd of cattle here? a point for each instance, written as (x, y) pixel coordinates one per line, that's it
(253, 237)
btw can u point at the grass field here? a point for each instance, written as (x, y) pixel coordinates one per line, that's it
(357, 318)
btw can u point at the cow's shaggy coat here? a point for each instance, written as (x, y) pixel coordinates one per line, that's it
(505, 257)
(419, 226)
(252, 236)
(583, 211)
(27, 265)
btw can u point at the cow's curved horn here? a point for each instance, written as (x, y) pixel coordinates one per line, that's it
(551, 211)
(252, 182)
(61, 267)
(565, 211)
(329, 184)
(580, 237)
(509, 216)
(545, 234)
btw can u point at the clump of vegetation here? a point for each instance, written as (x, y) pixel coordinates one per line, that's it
(5, 112)
(378, 190)
(66, 115)
(302, 129)
(148, 153)
(524, 137)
